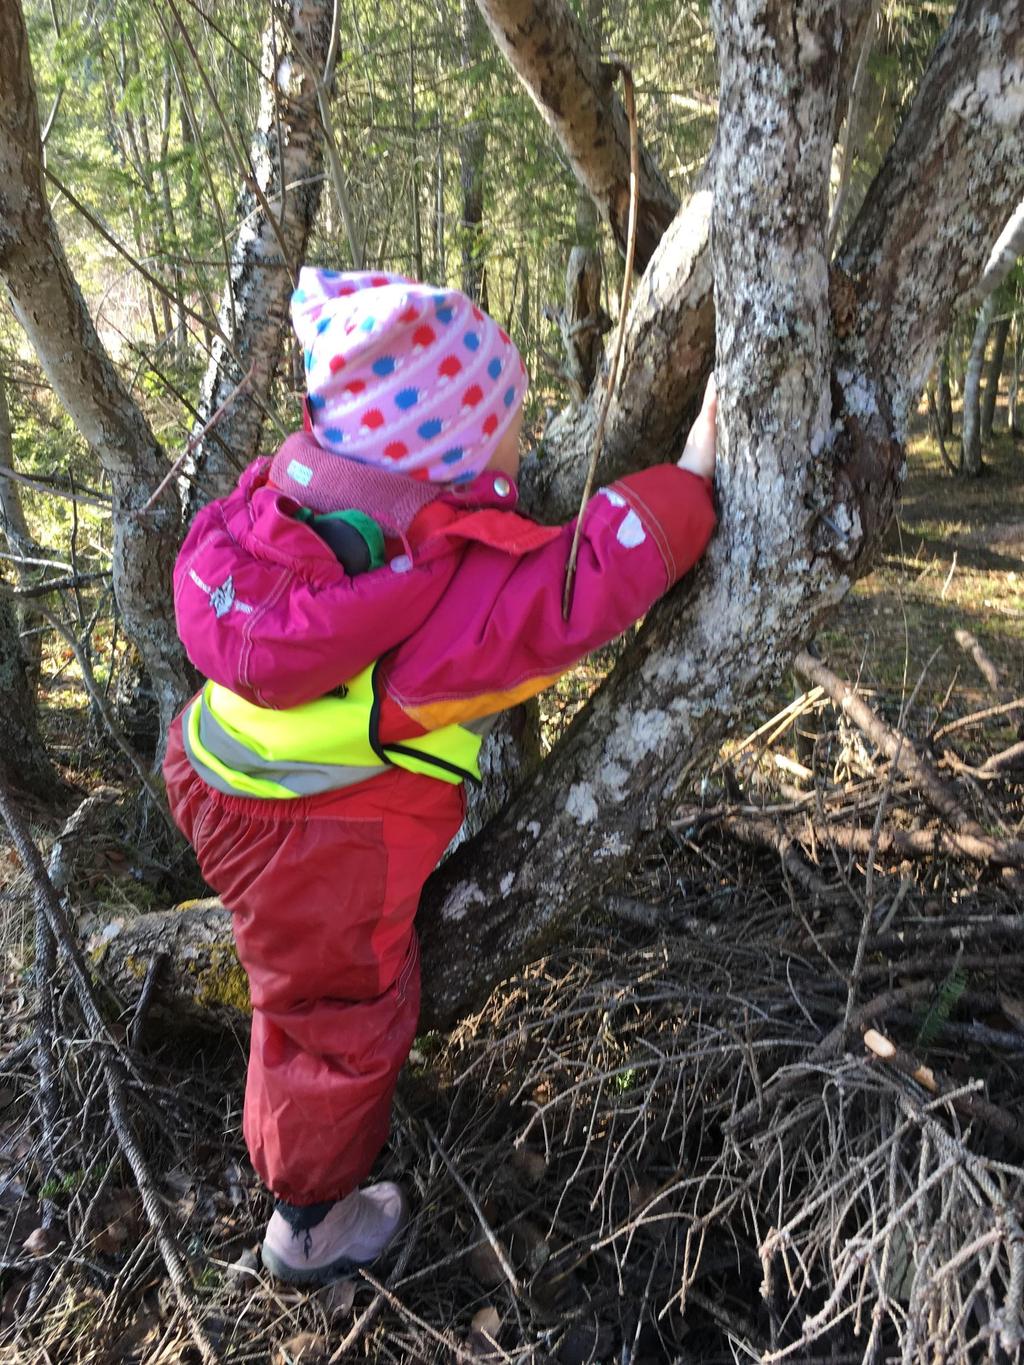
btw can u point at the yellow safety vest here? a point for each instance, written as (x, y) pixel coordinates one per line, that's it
(248, 750)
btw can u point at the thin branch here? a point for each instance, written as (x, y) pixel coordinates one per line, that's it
(103, 706)
(194, 440)
(613, 372)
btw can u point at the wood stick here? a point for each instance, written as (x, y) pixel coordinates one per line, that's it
(898, 748)
(767, 834)
(629, 99)
(925, 844)
(984, 664)
(114, 1061)
(972, 1106)
(193, 441)
(1005, 761)
(977, 717)
(58, 584)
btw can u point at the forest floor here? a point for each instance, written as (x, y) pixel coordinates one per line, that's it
(668, 1141)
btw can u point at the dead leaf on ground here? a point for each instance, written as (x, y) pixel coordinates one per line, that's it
(485, 1266)
(40, 1242)
(121, 1216)
(1014, 1011)
(337, 1299)
(483, 1333)
(14, 1300)
(305, 1348)
(585, 1342)
(242, 1271)
(142, 1332)
(529, 1166)
(12, 1192)
(529, 1247)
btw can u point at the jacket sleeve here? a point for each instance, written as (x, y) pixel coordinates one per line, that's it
(498, 635)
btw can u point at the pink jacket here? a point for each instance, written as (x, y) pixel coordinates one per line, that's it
(467, 623)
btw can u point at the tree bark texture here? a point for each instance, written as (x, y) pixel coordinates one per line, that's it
(668, 349)
(551, 53)
(286, 157)
(964, 138)
(24, 763)
(993, 373)
(970, 460)
(472, 155)
(48, 304)
(809, 469)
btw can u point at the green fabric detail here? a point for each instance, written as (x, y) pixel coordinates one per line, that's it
(363, 525)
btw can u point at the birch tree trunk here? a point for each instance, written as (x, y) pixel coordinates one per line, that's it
(1005, 251)
(970, 460)
(286, 160)
(810, 462)
(48, 304)
(24, 763)
(993, 374)
(944, 399)
(20, 541)
(23, 758)
(472, 154)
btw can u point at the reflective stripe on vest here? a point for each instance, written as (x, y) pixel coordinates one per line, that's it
(323, 745)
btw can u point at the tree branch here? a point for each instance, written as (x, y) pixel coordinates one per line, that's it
(50, 308)
(275, 227)
(548, 49)
(961, 146)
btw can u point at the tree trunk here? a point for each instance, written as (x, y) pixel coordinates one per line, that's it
(814, 401)
(669, 340)
(1013, 412)
(943, 399)
(48, 304)
(548, 49)
(993, 373)
(416, 187)
(24, 763)
(20, 542)
(286, 156)
(23, 757)
(472, 156)
(970, 460)
(805, 491)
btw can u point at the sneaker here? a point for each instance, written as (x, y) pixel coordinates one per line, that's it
(319, 1242)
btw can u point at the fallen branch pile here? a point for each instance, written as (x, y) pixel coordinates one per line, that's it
(769, 1105)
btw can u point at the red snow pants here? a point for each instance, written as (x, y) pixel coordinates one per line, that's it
(323, 892)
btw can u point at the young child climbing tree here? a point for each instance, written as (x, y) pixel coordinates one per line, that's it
(364, 605)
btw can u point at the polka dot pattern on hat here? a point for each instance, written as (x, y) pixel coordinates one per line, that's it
(403, 375)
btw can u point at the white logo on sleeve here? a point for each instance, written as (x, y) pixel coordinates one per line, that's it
(222, 599)
(631, 531)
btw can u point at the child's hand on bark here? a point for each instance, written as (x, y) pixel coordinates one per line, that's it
(699, 452)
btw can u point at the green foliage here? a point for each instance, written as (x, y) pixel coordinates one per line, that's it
(144, 145)
(942, 1006)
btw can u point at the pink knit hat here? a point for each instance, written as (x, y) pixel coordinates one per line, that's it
(404, 376)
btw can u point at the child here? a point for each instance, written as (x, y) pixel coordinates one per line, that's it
(364, 605)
